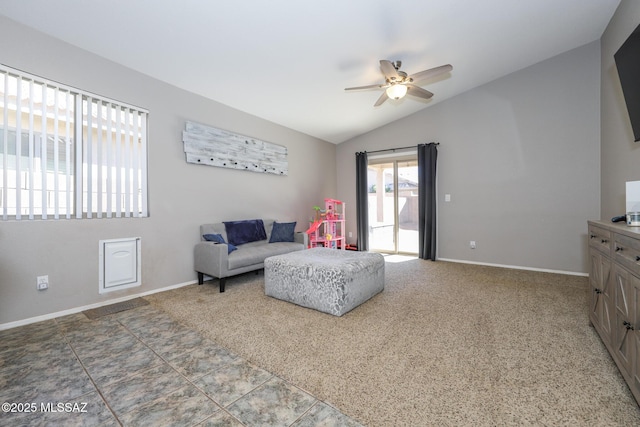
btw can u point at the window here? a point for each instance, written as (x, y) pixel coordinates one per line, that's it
(65, 153)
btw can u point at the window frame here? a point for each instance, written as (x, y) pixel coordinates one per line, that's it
(117, 126)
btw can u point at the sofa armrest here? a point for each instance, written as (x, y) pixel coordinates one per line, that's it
(211, 259)
(301, 237)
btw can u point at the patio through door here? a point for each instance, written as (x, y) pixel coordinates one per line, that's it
(393, 204)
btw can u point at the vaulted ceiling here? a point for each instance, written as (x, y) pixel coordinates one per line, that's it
(288, 61)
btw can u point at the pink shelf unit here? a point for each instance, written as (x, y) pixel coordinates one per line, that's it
(329, 229)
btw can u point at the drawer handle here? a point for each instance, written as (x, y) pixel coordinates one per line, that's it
(597, 291)
(618, 248)
(592, 236)
(637, 258)
(628, 325)
(603, 241)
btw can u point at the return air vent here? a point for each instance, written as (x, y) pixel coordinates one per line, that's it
(120, 265)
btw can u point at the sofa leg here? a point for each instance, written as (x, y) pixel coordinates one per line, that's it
(222, 282)
(200, 278)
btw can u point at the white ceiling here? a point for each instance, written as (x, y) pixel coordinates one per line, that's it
(288, 61)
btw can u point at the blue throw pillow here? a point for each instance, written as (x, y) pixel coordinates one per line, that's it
(282, 232)
(217, 238)
(239, 232)
(214, 238)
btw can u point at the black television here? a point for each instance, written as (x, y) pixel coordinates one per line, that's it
(628, 64)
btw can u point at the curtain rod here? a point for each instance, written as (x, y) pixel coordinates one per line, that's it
(400, 148)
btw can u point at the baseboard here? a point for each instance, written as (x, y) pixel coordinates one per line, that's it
(75, 310)
(516, 267)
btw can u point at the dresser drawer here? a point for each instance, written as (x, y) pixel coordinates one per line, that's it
(600, 239)
(626, 252)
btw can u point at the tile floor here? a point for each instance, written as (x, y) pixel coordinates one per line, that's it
(140, 368)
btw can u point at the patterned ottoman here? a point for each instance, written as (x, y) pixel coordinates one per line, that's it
(328, 280)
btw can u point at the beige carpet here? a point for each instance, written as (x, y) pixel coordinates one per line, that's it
(443, 344)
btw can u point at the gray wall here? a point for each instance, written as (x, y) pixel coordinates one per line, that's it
(182, 196)
(620, 155)
(520, 157)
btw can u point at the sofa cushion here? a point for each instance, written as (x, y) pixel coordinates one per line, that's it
(240, 232)
(282, 232)
(255, 252)
(217, 238)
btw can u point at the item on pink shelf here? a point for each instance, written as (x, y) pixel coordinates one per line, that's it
(330, 214)
(313, 227)
(328, 228)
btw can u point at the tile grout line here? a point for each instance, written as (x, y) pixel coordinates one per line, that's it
(65, 338)
(272, 376)
(179, 373)
(165, 361)
(219, 405)
(179, 364)
(137, 337)
(305, 413)
(222, 408)
(95, 386)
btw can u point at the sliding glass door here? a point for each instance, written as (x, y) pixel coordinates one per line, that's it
(393, 204)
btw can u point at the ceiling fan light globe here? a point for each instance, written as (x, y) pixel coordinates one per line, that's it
(396, 91)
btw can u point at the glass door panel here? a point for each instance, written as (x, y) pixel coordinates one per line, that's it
(407, 202)
(382, 223)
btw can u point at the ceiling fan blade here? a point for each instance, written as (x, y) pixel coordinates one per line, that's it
(430, 73)
(382, 98)
(378, 86)
(418, 91)
(389, 70)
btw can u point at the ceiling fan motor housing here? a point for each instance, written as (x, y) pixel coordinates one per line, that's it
(402, 79)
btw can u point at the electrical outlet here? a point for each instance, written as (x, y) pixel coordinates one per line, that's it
(42, 283)
(472, 244)
(350, 234)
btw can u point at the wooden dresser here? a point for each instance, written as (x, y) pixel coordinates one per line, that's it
(614, 304)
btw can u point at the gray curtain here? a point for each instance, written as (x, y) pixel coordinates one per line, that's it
(362, 201)
(427, 159)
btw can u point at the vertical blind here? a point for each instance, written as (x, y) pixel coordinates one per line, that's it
(66, 153)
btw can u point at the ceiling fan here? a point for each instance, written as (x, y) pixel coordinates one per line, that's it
(397, 83)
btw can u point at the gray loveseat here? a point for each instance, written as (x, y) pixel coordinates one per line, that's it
(254, 240)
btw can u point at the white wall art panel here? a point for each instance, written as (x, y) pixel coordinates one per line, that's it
(207, 145)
